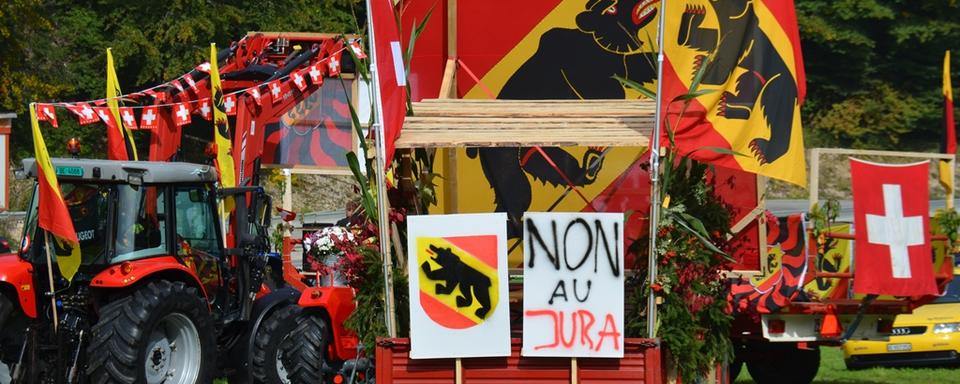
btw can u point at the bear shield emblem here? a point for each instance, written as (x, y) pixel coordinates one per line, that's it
(458, 279)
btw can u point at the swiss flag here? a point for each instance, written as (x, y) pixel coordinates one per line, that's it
(205, 110)
(230, 104)
(316, 74)
(181, 114)
(276, 91)
(255, 94)
(129, 119)
(891, 206)
(46, 112)
(333, 62)
(299, 80)
(84, 113)
(106, 117)
(150, 118)
(191, 82)
(391, 76)
(205, 67)
(357, 49)
(177, 85)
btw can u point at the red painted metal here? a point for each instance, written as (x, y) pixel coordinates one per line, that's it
(17, 273)
(641, 364)
(114, 277)
(339, 304)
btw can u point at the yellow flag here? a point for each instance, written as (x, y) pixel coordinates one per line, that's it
(120, 145)
(52, 213)
(221, 128)
(950, 133)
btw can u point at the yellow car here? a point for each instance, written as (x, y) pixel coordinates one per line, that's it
(928, 336)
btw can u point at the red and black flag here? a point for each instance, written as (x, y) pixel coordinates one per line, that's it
(748, 99)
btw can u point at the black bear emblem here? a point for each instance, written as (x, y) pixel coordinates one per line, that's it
(454, 273)
(740, 43)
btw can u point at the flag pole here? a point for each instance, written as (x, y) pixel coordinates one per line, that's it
(382, 201)
(655, 182)
(53, 291)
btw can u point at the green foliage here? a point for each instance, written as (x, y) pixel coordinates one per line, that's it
(948, 223)
(367, 320)
(874, 71)
(54, 50)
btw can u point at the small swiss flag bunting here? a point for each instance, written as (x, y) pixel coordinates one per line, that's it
(84, 113)
(181, 114)
(191, 82)
(255, 94)
(230, 104)
(333, 64)
(357, 50)
(106, 117)
(129, 119)
(205, 68)
(276, 91)
(204, 109)
(46, 112)
(149, 118)
(177, 85)
(299, 80)
(316, 74)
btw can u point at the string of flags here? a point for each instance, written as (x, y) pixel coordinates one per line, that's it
(181, 111)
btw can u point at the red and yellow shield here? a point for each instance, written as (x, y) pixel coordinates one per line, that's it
(458, 279)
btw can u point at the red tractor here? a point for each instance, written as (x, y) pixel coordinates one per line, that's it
(170, 289)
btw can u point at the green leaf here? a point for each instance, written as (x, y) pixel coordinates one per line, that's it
(635, 86)
(693, 94)
(720, 150)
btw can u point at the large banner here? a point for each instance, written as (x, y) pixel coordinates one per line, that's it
(459, 304)
(573, 285)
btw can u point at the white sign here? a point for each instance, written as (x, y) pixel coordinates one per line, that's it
(573, 284)
(459, 304)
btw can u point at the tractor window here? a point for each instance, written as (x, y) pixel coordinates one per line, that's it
(141, 222)
(87, 204)
(196, 220)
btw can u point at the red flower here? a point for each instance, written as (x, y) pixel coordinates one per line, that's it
(656, 287)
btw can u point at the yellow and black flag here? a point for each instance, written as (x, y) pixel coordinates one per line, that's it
(754, 74)
(120, 145)
(949, 144)
(221, 127)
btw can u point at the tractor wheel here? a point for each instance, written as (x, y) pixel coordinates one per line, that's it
(784, 363)
(272, 341)
(308, 350)
(161, 333)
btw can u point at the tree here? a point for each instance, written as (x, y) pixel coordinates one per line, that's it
(874, 70)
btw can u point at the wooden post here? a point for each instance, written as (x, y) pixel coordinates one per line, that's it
(573, 371)
(814, 176)
(953, 178)
(458, 378)
(53, 296)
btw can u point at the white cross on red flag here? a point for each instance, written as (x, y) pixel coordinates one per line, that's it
(46, 112)
(388, 55)
(205, 67)
(181, 114)
(316, 74)
(84, 113)
(891, 205)
(255, 94)
(129, 119)
(106, 117)
(230, 104)
(204, 109)
(191, 82)
(276, 91)
(149, 119)
(333, 61)
(357, 49)
(299, 80)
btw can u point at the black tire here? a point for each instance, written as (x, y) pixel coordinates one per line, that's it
(270, 343)
(784, 363)
(307, 353)
(118, 349)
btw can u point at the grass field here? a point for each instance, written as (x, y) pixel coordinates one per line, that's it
(832, 371)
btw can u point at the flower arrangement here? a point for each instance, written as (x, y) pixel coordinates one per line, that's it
(335, 252)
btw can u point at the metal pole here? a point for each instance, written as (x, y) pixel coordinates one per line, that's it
(655, 181)
(382, 207)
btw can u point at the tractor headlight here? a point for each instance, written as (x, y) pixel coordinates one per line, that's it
(946, 328)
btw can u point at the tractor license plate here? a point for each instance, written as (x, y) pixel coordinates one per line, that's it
(901, 347)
